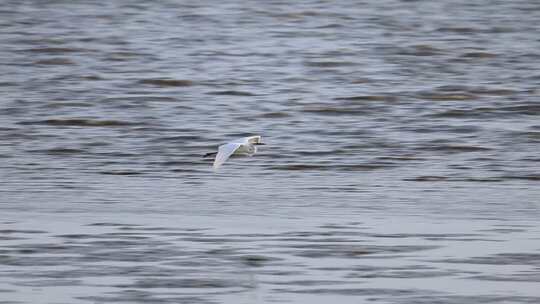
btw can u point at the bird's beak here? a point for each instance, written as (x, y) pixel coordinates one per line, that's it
(260, 144)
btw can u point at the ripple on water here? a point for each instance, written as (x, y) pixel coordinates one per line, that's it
(460, 299)
(144, 296)
(366, 98)
(387, 292)
(400, 272)
(59, 151)
(350, 251)
(80, 122)
(440, 96)
(419, 50)
(452, 148)
(478, 55)
(167, 82)
(527, 109)
(232, 93)
(182, 283)
(329, 167)
(337, 110)
(329, 64)
(55, 61)
(54, 50)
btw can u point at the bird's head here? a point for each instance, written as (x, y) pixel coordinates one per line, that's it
(256, 140)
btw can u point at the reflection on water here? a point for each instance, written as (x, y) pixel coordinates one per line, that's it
(401, 167)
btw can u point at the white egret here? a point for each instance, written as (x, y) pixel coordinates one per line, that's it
(244, 145)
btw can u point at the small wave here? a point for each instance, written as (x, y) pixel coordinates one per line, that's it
(529, 277)
(412, 50)
(336, 110)
(525, 136)
(419, 50)
(120, 172)
(122, 56)
(60, 151)
(231, 93)
(330, 26)
(400, 158)
(92, 77)
(22, 231)
(461, 89)
(493, 91)
(438, 96)
(524, 109)
(530, 177)
(167, 82)
(453, 148)
(330, 167)
(55, 105)
(444, 128)
(55, 61)
(352, 251)
(478, 55)
(436, 178)
(321, 152)
(177, 139)
(275, 115)
(457, 114)
(458, 30)
(192, 283)
(427, 178)
(109, 224)
(386, 98)
(76, 122)
(53, 50)
(328, 64)
(501, 259)
(133, 101)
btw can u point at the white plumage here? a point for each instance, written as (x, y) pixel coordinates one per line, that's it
(244, 145)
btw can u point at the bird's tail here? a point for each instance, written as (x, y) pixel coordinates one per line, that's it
(211, 154)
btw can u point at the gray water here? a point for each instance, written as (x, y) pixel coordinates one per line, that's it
(402, 160)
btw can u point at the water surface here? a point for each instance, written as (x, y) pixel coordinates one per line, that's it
(401, 163)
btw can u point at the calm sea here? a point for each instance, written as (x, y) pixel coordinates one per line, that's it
(402, 161)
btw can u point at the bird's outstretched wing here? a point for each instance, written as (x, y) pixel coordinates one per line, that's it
(224, 152)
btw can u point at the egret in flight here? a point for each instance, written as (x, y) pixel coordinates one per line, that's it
(244, 145)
